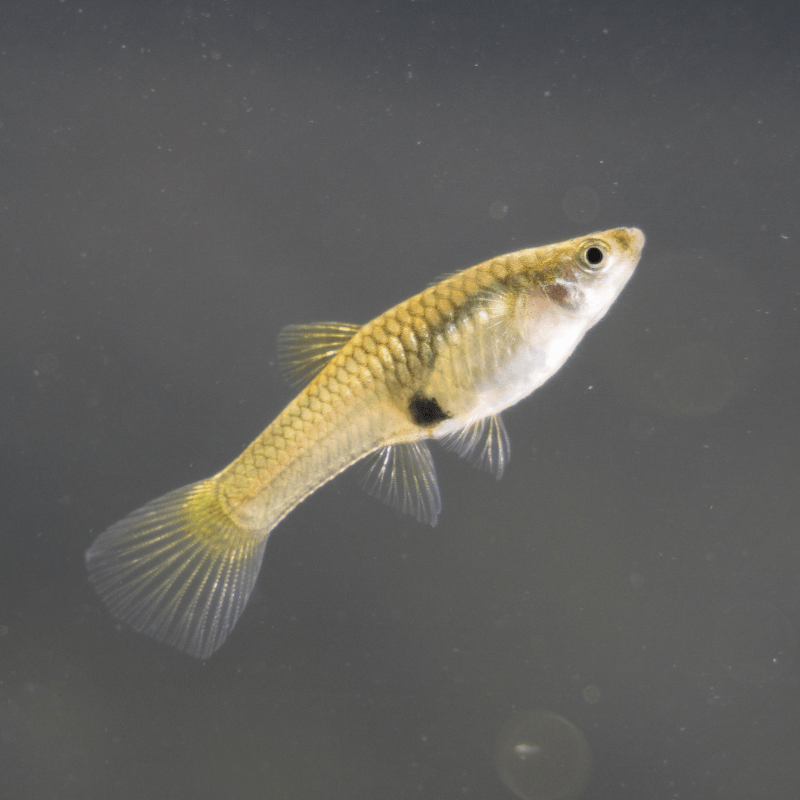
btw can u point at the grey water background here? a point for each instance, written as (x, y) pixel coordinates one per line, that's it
(178, 181)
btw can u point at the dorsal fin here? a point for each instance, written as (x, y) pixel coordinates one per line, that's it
(484, 444)
(403, 476)
(304, 350)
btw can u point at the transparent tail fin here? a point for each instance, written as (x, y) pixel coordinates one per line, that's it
(178, 569)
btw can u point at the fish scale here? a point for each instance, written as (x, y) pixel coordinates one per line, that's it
(440, 365)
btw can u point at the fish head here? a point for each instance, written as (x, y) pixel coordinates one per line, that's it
(584, 276)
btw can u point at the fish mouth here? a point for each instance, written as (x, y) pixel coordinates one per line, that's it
(628, 241)
(635, 238)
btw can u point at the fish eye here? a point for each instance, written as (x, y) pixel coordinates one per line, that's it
(593, 255)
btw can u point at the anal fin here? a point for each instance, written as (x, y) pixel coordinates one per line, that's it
(484, 443)
(403, 475)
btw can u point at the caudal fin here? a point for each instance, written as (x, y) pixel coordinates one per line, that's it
(178, 569)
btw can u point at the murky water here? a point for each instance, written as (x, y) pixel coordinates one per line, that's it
(616, 618)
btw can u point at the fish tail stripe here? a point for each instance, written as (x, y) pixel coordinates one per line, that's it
(179, 569)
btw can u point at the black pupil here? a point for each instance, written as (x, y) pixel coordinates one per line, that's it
(594, 255)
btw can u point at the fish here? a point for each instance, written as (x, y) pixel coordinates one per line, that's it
(442, 365)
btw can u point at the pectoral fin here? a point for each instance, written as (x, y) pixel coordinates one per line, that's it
(403, 475)
(304, 350)
(484, 444)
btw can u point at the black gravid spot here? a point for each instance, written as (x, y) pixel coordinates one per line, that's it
(425, 410)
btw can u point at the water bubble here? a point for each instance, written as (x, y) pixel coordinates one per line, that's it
(539, 755)
(581, 204)
(753, 641)
(591, 694)
(498, 210)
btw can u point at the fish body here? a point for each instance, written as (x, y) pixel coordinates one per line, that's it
(441, 365)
